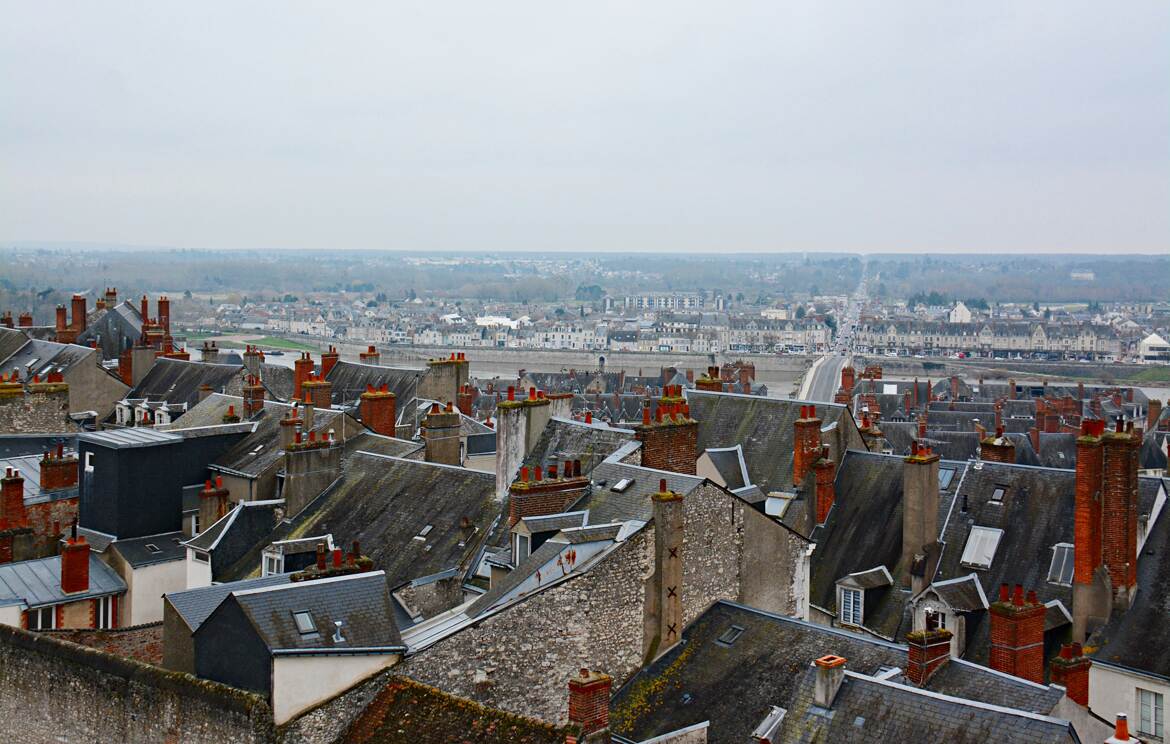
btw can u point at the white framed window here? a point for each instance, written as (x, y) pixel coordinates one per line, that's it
(936, 619)
(852, 601)
(273, 564)
(200, 556)
(1150, 713)
(521, 547)
(305, 623)
(104, 617)
(1060, 571)
(981, 545)
(195, 523)
(44, 618)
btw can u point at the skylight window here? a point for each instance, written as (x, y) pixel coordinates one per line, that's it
(422, 534)
(944, 478)
(730, 636)
(1061, 569)
(305, 623)
(622, 485)
(152, 548)
(981, 546)
(997, 494)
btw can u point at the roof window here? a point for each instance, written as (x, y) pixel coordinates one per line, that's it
(729, 636)
(422, 534)
(1061, 569)
(622, 485)
(305, 623)
(981, 546)
(944, 478)
(997, 494)
(152, 548)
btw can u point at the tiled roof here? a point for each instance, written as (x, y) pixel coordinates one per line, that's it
(361, 602)
(407, 712)
(563, 439)
(734, 684)
(194, 605)
(386, 502)
(38, 583)
(868, 709)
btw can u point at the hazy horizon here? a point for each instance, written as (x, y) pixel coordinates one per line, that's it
(853, 127)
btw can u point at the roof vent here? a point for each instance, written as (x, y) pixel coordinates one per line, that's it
(337, 636)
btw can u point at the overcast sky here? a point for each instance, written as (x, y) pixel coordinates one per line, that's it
(1017, 126)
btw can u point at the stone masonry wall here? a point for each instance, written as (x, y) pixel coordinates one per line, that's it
(517, 659)
(52, 690)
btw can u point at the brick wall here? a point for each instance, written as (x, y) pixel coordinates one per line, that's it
(49, 519)
(142, 642)
(669, 445)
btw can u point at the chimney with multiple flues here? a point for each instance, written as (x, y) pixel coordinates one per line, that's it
(378, 409)
(214, 502)
(1017, 634)
(998, 448)
(441, 433)
(75, 563)
(589, 707)
(670, 440)
(545, 490)
(337, 563)
(806, 443)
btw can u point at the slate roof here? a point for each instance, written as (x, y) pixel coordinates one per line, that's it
(140, 552)
(762, 426)
(606, 505)
(11, 339)
(964, 594)
(407, 712)
(734, 685)
(194, 605)
(141, 436)
(260, 450)
(1036, 512)
(864, 530)
(29, 468)
(564, 439)
(42, 357)
(20, 445)
(178, 380)
(360, 601)
(1129, 638)
(1153, 452)
(351, 378)
(237, 535)
(385, 502)
(37, 583)
(868, 709)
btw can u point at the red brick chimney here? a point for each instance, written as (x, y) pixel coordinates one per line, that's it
(6, 320)
(25, 320)
(318, 390)
(12, 511)
(78, 303)
(57, 470)
(75, 564)
(998, 448)
(929, 651)
(670, 441)
(1153, 413)
(379, 410)
(589, 705)
(806, 442)
(370, 356)
(1087, 519)
(533, 495)
(464, 399)
(164, 314)
(253, 397)
(1119, 511)
(328, 359)
(710, 381)
(1017, 634)
(65, 333)
(848, 377)
(1071, 669)
(302, 370)
(824, 472)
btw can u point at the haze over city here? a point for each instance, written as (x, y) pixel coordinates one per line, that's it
(664, 126)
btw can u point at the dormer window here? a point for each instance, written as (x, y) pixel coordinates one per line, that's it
(851, 604)
(521, 547)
